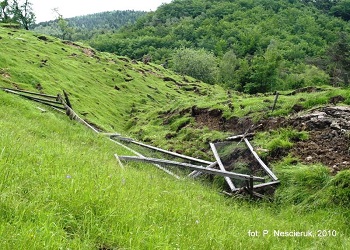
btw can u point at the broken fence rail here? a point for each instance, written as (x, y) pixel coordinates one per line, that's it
(221, 166)
(262, 164)
(192, 167)
(185, 157)
(52, 101)
(29, 92)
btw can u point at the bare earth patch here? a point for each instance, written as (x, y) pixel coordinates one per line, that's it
(328, 128)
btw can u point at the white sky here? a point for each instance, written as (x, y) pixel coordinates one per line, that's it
(70, 8)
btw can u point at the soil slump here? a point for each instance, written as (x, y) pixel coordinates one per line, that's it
(328, 128)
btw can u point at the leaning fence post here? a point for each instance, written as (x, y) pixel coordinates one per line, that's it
(67, 99)
(275, 102)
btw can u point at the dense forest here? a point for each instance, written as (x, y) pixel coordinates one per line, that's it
(248, 45)
(85, 27)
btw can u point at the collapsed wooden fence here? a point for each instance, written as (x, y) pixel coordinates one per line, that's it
(197, 166)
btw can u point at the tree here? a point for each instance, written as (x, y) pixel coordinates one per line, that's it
(4, 11)
(265, 70)
(339, 56)
(65, 30)
(228, 67)
(23, 13)
(199, 64)
(325, 5)
(342, 10)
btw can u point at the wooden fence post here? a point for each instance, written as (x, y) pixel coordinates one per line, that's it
(275, 102)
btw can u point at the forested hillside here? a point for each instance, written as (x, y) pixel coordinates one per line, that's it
(85, 27)
(252, 46)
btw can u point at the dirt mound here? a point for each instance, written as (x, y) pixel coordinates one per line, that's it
(87, 51)
(328, 127)
(329, 142)
(212, 118)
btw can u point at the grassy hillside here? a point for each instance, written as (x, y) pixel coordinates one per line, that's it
(62, 187)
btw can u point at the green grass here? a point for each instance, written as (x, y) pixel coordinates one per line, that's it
(126, 97)
(277, 141)
(61, 187)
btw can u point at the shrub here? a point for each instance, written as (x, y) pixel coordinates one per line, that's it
(199, 64)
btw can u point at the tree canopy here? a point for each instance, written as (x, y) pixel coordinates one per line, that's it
(17, 11)
(260, 45)
(87, 26)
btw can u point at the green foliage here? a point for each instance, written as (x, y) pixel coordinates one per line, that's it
(339, 57)
(228, 66)
(86, 27)
(312, 187)
(65, 30)
(270, 45)
(341, 9)
(199, 64)
(178, 124)
(299, 183)
(17, 11)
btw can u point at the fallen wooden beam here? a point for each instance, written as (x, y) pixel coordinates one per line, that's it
(43, 101)
(166, 151)
(271, 183)
(140, 155)
(29, 92)
(196, 173)
(193, 167)
(263, 165)
(110, 134)
(221, 166)
(239, 137)
(118, 160)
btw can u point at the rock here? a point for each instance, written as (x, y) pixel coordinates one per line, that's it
(335, 125)
(309, 158)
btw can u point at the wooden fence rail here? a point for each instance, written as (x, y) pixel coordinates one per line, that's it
(29, 92)
(193, 167)
(262, 164)
(221, 166)
(185, 157)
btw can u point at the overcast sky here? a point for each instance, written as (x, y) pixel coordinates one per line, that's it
(70, 8)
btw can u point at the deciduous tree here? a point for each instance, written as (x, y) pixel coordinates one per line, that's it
(22, 12)
(4, 11)
(198, 63)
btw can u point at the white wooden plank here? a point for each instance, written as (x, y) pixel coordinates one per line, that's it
(263, 165)
(140, 155)
(221, 166)
(167, 152)
(193, 167)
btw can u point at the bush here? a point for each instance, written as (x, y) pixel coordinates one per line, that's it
(199, 64)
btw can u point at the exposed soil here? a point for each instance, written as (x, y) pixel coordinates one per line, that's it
(328, 127)
(329, 131)
(213, 120)
(87, 51)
